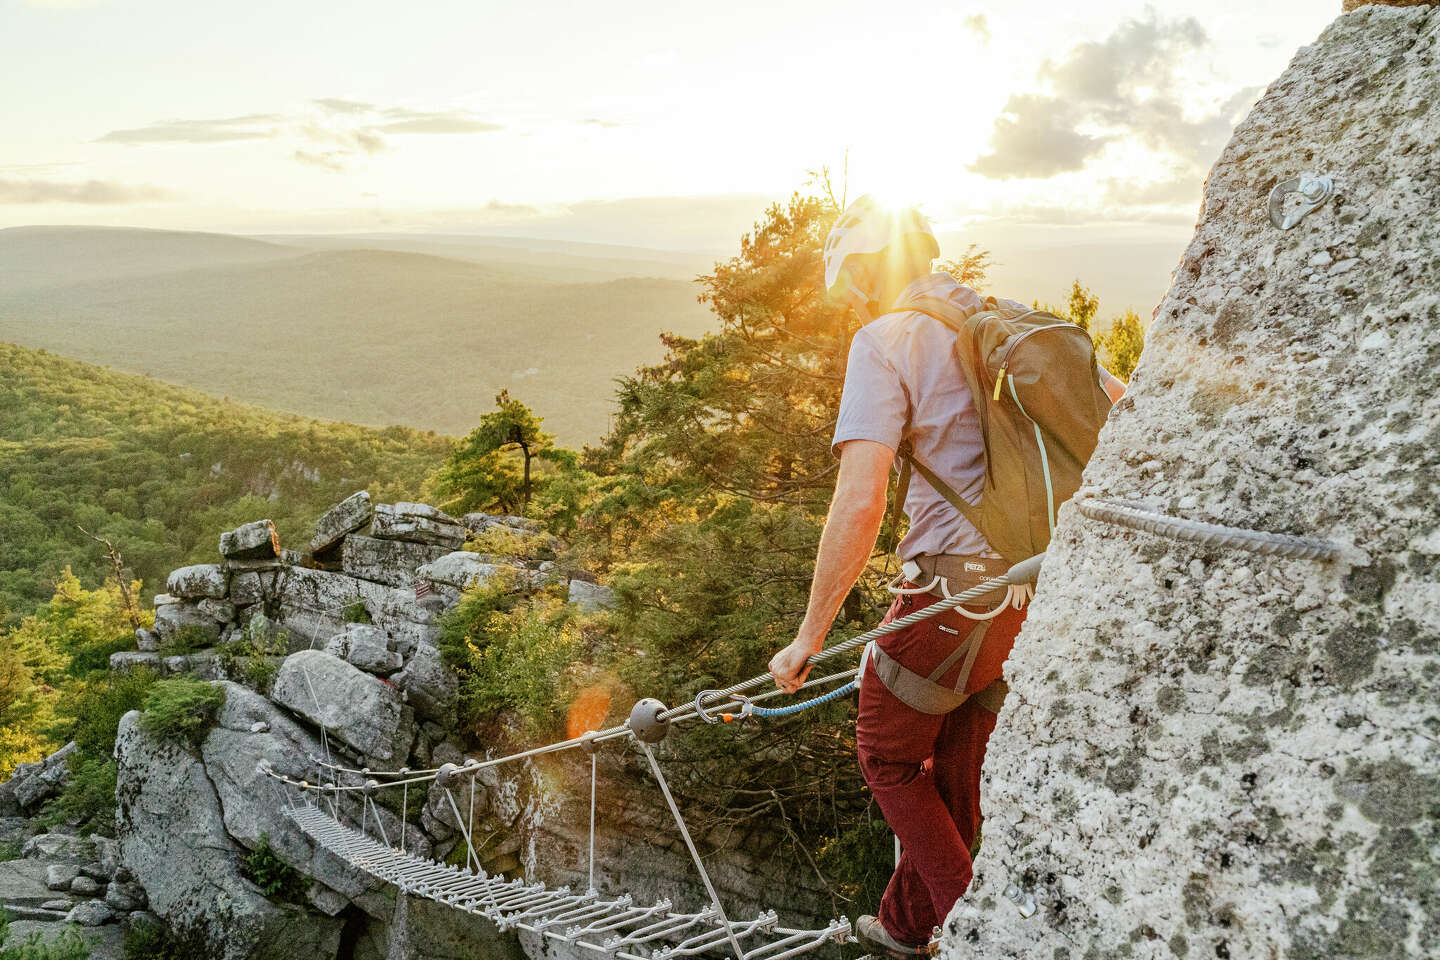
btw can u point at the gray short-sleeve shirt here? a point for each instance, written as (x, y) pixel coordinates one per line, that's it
(902, 383)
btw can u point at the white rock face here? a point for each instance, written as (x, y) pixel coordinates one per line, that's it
(359, 709)
(391, 562)
(462, 569)
(348, 515)
(172, 837)
(1207, 753)
(251, 541)
(365, 646)
(417, 523)
(433, 688)
(199, 580)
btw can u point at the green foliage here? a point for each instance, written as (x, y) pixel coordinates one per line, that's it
(190, 638)
(181, 708)
(131, 459)
(156, 941)
(355, 612)
(275, 878)
(860, 859)
(492, 467)
(1121, 344)
(67, 946)
(249, 656)
(516, 658)
(971, 268)
(92, 712)
(10, 850)
(49, 657)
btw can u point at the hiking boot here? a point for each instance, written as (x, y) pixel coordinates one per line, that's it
(873, 936)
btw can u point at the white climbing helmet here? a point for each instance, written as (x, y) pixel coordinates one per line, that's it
(868, 227)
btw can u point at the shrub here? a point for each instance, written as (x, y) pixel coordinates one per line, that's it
(515, 657)
(860, 861)
(155, 941)
(246, 656)
(190, 638)
(181, 708)
(9, 850)
(355, 612)
(275, 878)
(67, 946)
(88, 798)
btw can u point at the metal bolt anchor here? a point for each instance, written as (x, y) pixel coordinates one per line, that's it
(1293, 200)
(1024, 900)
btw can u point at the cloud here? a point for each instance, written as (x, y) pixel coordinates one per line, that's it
(1124, 87)
(446, 121)
(94, 192)
(255, 126)
(978, 24)
(339, 105)
(607, 124)
(1036, 137)
(329, 135)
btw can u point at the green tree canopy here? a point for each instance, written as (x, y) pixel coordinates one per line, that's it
(491, 467)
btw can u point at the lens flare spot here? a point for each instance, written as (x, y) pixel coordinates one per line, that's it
(588, 711)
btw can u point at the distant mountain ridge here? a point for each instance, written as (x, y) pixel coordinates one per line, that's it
(360, 334)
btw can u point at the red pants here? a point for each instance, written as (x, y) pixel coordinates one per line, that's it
(924, 770)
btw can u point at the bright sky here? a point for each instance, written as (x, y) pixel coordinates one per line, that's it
(474, 116)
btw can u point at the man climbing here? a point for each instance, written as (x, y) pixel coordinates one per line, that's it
(904, 394)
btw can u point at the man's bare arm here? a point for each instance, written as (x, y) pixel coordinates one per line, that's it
(1114, 387)
(846, 545)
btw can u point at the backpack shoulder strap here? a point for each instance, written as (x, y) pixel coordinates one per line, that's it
(968, 510)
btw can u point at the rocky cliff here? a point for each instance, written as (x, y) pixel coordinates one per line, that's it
(330, 652)
(1207, 753)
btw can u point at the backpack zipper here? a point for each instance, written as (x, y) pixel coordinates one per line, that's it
(1044, 458)
(1005, 363)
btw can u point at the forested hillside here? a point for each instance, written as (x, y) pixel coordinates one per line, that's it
(371, 336)
(158, 469)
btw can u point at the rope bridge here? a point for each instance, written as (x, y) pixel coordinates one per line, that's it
(619, 927)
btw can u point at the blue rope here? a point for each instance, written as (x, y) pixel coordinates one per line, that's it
(835, 694)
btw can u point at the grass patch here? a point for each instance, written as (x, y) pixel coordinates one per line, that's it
(67, 946)
(355, 612)
(191, 638)
(156, 941)
(9, 850)
(181, 708)
(275, 878)
(247, 657)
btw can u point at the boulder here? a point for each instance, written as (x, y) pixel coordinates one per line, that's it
(590, 597)
(127, 660)
(172, 834)
(1207, 752)
(84, 886)
(251, 541)
(203, 580)
(312, 602)
(478, 523)
(353, 706)
(391, 562)
(172, 617)
(233, 751)
(365, 646)
(37, 782)
(125, 897)
(146, 641)
(417, 523)
(59, 848)
(201, 666)
(347, 516)
(161, 599)
(432, 688)
(246, 588)
(59, 876)
(462, 569)
(91, 913)
(221, 611)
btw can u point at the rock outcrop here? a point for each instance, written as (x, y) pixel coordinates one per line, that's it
(1207, 753)
(173, 838)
